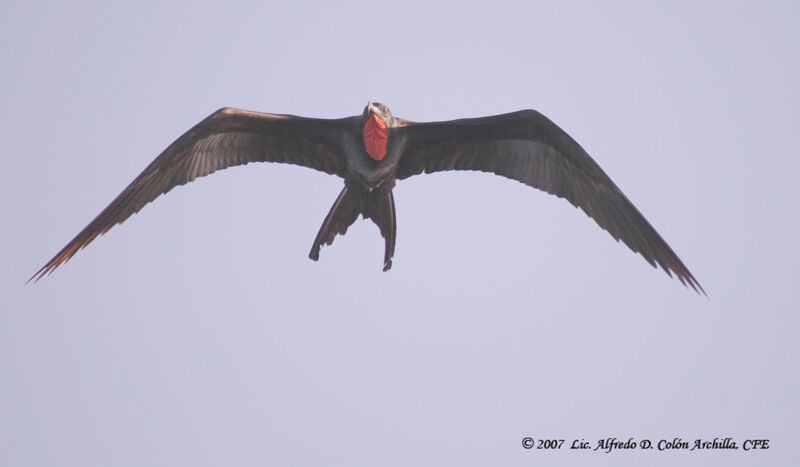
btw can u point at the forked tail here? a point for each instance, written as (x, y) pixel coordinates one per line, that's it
(345, 211)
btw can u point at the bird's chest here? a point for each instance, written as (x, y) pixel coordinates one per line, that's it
(363, 167)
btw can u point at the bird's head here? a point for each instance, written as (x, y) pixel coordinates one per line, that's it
(379, 111)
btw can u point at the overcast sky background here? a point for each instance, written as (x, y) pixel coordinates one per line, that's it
(199, 333)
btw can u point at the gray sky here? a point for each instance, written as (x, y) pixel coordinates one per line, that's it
(198, 332)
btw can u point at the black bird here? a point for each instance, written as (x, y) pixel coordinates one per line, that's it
(371, 151)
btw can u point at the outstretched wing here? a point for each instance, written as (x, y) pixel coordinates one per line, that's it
(526, 146)
(227, 138)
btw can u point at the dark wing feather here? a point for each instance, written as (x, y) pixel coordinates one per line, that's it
(528, 147)
(227, 138)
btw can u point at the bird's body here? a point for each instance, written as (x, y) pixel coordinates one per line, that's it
(371, 151)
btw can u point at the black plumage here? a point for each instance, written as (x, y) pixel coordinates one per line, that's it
(524, 146)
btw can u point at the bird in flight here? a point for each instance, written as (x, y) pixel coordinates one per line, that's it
(371, 151)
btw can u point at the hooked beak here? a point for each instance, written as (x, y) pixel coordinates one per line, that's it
(373, 109)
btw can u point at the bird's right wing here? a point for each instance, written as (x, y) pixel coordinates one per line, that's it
(226, 138)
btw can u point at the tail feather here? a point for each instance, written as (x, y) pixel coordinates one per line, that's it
(382, 214)
(345, 211)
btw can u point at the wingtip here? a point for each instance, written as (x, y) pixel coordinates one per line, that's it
(39, 274)
(698, 288)
(688, 280)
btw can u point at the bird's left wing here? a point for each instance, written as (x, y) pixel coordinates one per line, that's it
(226, 138)
(526, 146)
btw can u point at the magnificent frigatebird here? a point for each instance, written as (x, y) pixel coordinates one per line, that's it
(371, 151)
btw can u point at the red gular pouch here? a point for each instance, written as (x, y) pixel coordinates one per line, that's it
(375, 137)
